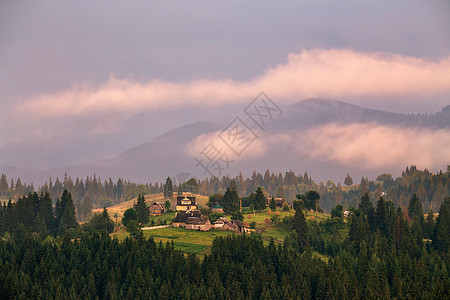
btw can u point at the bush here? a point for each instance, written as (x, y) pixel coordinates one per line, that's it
(133, 227)
(98, 224)
(298, 205)
(214, 216)
(253, 225)
(286, 207)
(275, 219)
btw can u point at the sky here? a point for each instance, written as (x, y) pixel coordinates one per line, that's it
(74, 71)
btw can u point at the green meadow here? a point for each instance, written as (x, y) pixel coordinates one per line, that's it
(199, 242)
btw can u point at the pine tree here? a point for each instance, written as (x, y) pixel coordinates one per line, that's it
(3, 184)
(68, 219)
(365, 204)
(429, 225)
(142, 210)
(415, 208)
(273, 204)
(260, 199)
(381, 217)
(301, 228)
(46, 211)
(230, 201)
(441, 236)
(168, 188)
(348, 180)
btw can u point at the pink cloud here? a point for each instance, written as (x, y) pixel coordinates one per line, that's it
(312, 73)
(372, 146)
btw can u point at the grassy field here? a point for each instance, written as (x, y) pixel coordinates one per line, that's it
(120, 208)
(275, 231)
(192, 241)
(199, 242)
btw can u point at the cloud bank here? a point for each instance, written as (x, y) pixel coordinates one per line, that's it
(367, 146)
(336, 73)
(371, 146)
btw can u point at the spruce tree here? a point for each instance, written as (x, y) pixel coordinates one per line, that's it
(230, 201)
(301, 228)
(142, 210)
(46, 211)
(365, 204)
(348, 180)
(273, 204)
(68, 219)
(441, 236)
(168, 188)
(381, 217)
(429, 225)
(260, 200)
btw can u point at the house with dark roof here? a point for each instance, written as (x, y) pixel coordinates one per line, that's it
(198, 223)
(182, 216)
(233, 225)
(156, 209)
(192, 219)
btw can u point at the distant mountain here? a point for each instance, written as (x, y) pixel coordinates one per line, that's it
(314, 112)
(166, 155)
(147, 162)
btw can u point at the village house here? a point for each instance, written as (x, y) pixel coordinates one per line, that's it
(182, 216)
(185, 203)
(278, 201)
(198, 223)
(191, 220)
(233, 225)
(156, 209)
(220, 222)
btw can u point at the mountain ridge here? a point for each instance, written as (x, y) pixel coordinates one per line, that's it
(166, 155)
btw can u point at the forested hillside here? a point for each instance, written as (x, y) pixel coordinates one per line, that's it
(91, 192)
(386, 259)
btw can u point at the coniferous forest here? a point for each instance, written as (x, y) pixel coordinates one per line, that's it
(431, 188)
(388, 252)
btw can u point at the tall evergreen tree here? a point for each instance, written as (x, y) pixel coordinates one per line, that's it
(168, 188)
(260, 199)
(230, 201)
(46, 211)
(142, 210)
(415, 208)
(441, 236)
(348, 180)
(301, 229)
(381, 217)
(365, 205)
(273, 204)
(68, 218)
(429, 225)
(3, 184)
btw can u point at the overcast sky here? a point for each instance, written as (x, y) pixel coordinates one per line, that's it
(65, 62)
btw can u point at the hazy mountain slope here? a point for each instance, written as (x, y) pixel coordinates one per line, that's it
(146, 162)
(313, 112)
(166, 155)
